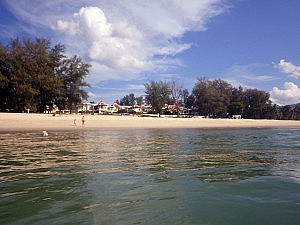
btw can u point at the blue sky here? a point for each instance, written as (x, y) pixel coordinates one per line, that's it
(252, 43)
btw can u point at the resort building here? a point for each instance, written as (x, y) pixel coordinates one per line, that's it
(103, 108)
(86, 108)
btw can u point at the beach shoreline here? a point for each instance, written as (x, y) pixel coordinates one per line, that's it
(39, 122)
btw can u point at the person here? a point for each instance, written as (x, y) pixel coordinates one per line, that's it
(45, 133)
(74, 122)
(83, 120)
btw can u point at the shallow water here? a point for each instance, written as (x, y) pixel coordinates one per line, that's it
(151, 176)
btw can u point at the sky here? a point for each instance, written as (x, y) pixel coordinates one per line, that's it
(248, 43)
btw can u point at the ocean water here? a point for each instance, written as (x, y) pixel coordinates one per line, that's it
(151, 176)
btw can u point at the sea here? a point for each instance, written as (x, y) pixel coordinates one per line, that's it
(151, 176)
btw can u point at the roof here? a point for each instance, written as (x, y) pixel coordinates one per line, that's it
(102, 104)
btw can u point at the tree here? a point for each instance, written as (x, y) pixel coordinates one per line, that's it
(41, 64)
(287, 112)
(272, 112)
(128, 100)
(290, 112)
(223, 94)
(212, 98)
(4, 77)
(190, 102)
(176, 93)
(185, 95)
(139, 100)
(20, 91)
(34, 75)
(237, 105)
(201, 94)
(256, 102)
(297, 112)
(72, 72)
(157, 94)
(236, 108)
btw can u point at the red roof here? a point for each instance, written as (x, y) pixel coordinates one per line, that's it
(172, 107)
(102, 104)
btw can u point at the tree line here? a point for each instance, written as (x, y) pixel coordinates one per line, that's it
(215, 99)
(34, 76)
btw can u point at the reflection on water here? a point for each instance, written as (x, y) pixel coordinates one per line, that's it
(150, 176)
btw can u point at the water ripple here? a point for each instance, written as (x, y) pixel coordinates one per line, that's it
(112, 174)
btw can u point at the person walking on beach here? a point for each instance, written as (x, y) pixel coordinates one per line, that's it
(83, 120)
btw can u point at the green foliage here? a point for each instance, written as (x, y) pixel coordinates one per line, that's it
(236, 108)
(72, 72)
(212, 98)
(256, 102)
(139, 100)
(33, 75)
(157, 94)
(128, 100)
(290, 112)
(217, 98)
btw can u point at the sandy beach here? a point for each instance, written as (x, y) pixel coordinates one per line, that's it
(28, 122)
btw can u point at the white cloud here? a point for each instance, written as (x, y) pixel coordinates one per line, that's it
(122, 40)
(136, 87)
(248, 72)
(131, 45)
(104, 42)
(89, 22)
(289, 95)
(116, 44)
(124, 37)
(289, 68)
(248, 76)
(100, 72)
(171, 18)
(92, 95)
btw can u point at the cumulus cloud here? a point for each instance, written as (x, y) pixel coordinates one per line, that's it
(114, 45)
(289, 68)
(289, 95)
(136, 36)
(121, 45)
(121, 37)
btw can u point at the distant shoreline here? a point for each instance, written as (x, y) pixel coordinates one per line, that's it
(39, 122)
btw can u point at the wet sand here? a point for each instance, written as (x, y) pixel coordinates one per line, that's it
(27, 122)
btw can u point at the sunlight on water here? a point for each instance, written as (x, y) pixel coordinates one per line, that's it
(151, 176)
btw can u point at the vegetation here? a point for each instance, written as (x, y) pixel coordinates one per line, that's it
(219, 99)
(35, 76)
(157, 94)
(130, 100)
(212, 98)
(290, 112)
(179, 95)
